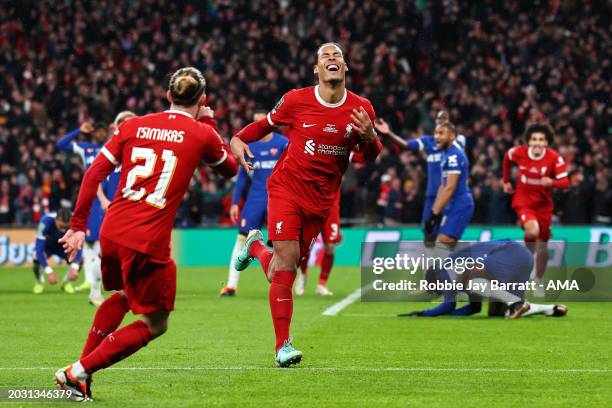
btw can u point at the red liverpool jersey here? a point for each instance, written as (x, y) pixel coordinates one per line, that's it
(158, 154)
(321, 138)
(530, 192)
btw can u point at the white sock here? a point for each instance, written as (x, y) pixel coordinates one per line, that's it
(89, 256)
(78, 371)
(500, 295)
(95, 291)
(535, 309)
(234, 275)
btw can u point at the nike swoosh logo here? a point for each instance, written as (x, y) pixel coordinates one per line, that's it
(307, 126)
(282, 300)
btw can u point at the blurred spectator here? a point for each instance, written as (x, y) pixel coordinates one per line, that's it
(393, 209)
(495, 65)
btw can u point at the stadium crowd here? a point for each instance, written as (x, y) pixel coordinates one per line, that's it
(495, 65)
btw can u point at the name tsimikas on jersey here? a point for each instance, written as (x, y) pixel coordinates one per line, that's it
(162, 135)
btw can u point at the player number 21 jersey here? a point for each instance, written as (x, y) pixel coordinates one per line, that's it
(158, 154)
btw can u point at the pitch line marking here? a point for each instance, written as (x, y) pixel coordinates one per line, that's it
(334, 369)
(336, 308)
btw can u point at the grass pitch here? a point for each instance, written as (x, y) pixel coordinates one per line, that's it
(219, 351)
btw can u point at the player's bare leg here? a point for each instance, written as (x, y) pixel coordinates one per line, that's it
(326, 265)
(283, 266)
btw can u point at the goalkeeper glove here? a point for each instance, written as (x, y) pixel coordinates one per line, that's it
(432, 222)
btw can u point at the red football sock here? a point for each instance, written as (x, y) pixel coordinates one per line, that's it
(262, 253)
(326, 266)
(281, 304)
(108, 317)
(117, 346)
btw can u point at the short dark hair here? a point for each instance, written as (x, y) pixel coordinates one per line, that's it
(447, 124)
(100, 125)
(63, 214)
(540, 128)
(340, 47)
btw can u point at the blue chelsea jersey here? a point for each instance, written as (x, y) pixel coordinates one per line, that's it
(266, 155)
(454, 161)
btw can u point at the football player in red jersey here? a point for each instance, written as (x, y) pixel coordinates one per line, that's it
(331, 237)
(540, 169)
(158, 154)
(325, 123)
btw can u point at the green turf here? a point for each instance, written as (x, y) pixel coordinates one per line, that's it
(363, 357)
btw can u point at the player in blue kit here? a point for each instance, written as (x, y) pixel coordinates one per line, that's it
(427, 145)
(504, 261)
(51, 228)
(454, 205)
(88, 151)
(266, 151)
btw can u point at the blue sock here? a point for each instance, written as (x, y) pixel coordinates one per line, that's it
(441, 309)
(468, 310)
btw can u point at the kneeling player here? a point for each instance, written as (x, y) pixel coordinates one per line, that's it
(51, 228)
(331, 236)
(502, 260)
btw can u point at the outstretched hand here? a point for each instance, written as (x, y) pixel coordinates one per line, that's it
(234, 212)
(382, 126)
(206, 111)
(414, 313)
(363, 125)
(239, 150)
(72, 241)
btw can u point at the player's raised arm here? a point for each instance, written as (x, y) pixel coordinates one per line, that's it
(217, 154)
(384, 129)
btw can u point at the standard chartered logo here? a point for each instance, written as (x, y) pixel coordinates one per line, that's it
(331, 150)
(310, 147)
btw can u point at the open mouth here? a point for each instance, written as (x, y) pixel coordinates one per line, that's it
(333, 67)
